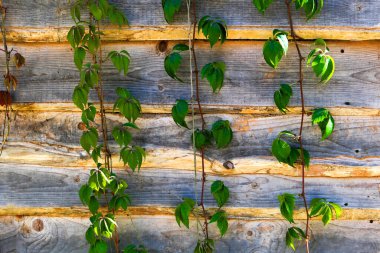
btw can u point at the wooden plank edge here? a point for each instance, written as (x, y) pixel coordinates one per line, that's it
(208, 109)
(233, 212)
(56, 157)
(180, 32)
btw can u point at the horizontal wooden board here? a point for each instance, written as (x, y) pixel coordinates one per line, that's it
(50, 75)
(162, 234)
(207, 109)
(36, 186)
(233, 212)
(52, 139)
(49, 20)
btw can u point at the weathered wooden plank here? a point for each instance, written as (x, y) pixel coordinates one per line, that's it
(162, 234)
(207, 109)
(48, 20)
(35, 186)
(52, 139)
(50, 75)
(233, 212)
(181, 32)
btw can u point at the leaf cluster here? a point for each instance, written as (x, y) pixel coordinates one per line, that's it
(173, 61)
(285, 152)
(282, 97)
(324, 208)
(275, 48)
(322, 64)
(325, 121)
(310, 7)
(214, 29)
(221, 194)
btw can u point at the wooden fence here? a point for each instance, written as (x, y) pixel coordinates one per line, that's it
(43, 165)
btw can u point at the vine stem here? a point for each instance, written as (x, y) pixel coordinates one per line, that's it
(197, 95)
(301, 59)
(98, 59)
(8, 108)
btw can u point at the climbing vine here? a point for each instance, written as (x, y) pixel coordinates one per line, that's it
(10, 81)
(288, 147)
(220, 134)
(104, 185)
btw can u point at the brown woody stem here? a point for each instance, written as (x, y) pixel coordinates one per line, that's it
(300, 71)
(197, 84)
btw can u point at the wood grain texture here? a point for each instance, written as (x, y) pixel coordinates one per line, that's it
(207, 109)
(36, 186)
(162, 234)
(49, 20)
(233, 212)
(51, 75)
(52, 139)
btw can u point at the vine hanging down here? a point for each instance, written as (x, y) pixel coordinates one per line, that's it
(220, 134)
(288, 147)
(104, 185)
(10, 81)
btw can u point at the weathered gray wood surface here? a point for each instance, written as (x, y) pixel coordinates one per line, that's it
(35, 186)
(55, 13)
(51, 75)
(52, 139)
(56, 235)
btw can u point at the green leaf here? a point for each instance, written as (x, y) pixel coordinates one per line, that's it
(214, 72)
(170, 8)
(75, 13)
(88, 114)
(282, 38)
(172, 63)
(179, 112)
(325, 121)
(222, 133)
(122, 136)
(324, 208)
(294, 233)
(306, 157)
(214, 29)
(220, 192)
(79, 56)
(120, 60)
(93, 204)
(202, 138)
(129, 106)
(312, 7)
(101, 247)
(281, 150)
(75, 35)
(80, 96)
(183, 210)
(90, 235)
(205, 246)
(287, 204)
(323, 65)
(116, 16)
(133, 156)
(273, 52)
(135, 249)
(96, 11)
(85, 193)
(180, 47)
(89, 139)
(220, 217)
(282, 97)
(262, 5)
